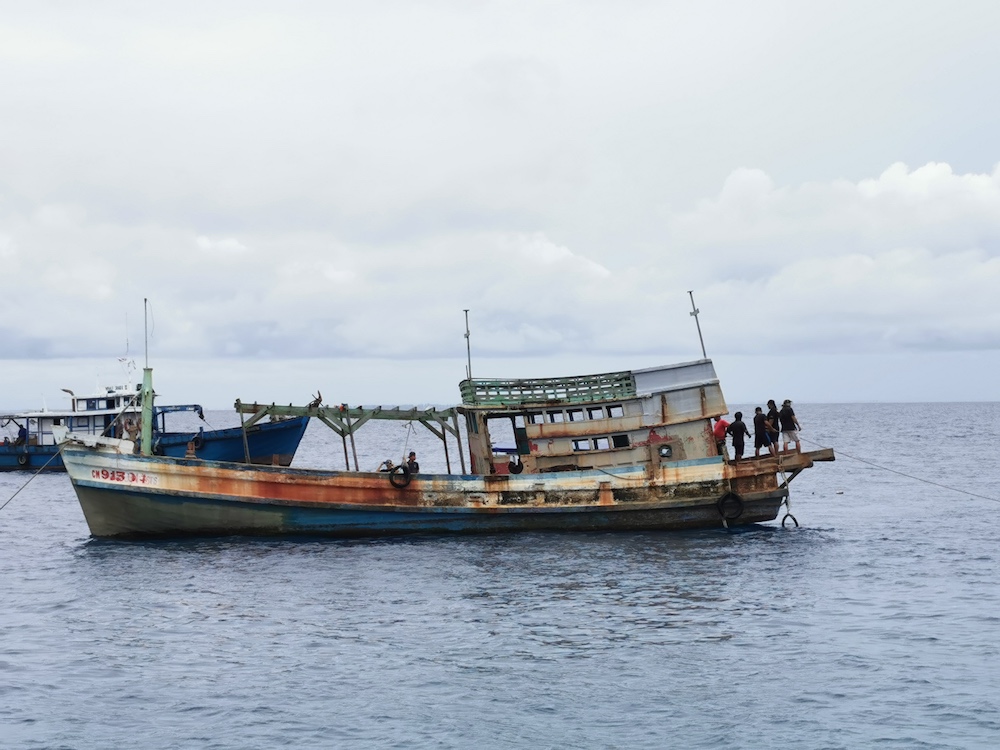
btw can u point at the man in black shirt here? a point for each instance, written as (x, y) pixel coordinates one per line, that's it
(774, 428)
(789, 426)
(738, 430)
(761, 433)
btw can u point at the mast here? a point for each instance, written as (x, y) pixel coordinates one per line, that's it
(147, 390)
(694, 314)
(468, 348)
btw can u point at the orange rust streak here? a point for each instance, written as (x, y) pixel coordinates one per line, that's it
(604, 495)
(346, 490)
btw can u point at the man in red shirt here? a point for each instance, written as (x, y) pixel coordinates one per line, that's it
(719, 431)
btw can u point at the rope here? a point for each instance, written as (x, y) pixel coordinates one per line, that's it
(29, 480)
(613, 476)
(119, 416)
(904, 474)
(409, 429)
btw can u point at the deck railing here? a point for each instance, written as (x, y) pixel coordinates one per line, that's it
(580, 389)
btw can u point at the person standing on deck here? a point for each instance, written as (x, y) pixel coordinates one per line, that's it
(762, 433)
(411, 463)
(789, 426)
(773, 429)
(719, 431)
(739, 431)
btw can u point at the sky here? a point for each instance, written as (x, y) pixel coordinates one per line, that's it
(310, 194)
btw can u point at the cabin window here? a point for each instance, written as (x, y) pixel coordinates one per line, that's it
(91, 404)
(619, 441)
(575, 415)
(595, 412)
(519, 420)
(581, 445)
(556, 416)
(616, 411)
(535, 418)
(80, 423)
(602, 443)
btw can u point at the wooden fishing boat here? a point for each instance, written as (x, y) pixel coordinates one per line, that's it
(30, 445)
(623, 450)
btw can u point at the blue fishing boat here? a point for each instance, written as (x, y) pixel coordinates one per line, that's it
(28, 442)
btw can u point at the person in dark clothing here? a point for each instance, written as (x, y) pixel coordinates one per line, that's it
(738, 431)
(761, 433)
(789, 426)
(411, 463)
(773, 429)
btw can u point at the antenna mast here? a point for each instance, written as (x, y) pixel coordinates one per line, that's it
(694, 313)
(468, 348)
(146, 420)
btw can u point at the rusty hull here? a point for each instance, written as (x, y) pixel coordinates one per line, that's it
(139, 496)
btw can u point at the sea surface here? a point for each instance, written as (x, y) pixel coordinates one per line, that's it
(876, 623)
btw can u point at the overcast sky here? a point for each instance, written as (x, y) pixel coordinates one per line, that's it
(310, 193)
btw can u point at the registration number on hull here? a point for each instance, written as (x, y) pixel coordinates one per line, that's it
(126, 477)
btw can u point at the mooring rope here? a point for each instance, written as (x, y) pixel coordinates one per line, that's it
(40, 470)
(904, 474)
(409, 429)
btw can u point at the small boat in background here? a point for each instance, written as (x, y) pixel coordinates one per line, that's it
(28, 442)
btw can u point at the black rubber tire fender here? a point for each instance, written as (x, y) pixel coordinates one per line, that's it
(399, 477)
(730, 506)
(22, 459)
(515, 467)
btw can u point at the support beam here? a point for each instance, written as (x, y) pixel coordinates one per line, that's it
(345, 421)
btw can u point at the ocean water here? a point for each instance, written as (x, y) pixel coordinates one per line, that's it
(876, 623)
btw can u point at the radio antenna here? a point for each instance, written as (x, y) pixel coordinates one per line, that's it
(468, 348)
(694, 313)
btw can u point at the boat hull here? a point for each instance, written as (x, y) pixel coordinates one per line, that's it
(269, 443)
(134, 515)
(138, 497)
(30, 458)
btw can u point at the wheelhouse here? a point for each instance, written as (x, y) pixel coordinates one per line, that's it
(653, 416)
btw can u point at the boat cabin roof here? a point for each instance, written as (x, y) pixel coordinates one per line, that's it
(132, 409)
(521, 393)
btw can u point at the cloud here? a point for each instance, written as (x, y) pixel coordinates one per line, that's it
(906, 259)
(25, 45)
(229, 245)
(342, 181)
